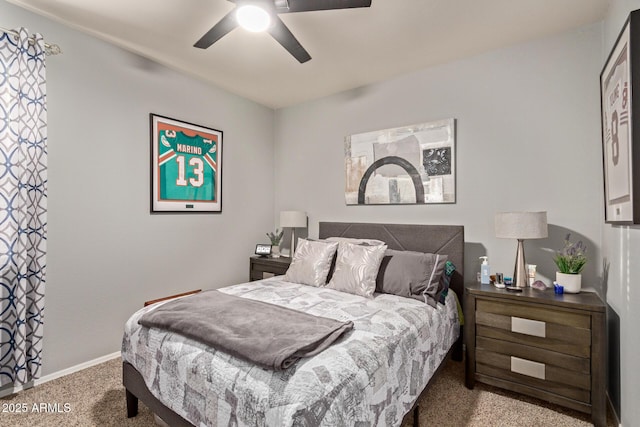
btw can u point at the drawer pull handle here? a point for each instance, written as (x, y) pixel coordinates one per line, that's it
(527, 367)
(528, 327)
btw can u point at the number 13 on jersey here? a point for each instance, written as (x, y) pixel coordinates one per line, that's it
(186, 167)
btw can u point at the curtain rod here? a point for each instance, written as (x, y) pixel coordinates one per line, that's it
(49, 48)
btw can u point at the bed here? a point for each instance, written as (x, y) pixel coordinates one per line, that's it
(373, 375)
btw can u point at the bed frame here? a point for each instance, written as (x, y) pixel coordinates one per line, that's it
(441, 239)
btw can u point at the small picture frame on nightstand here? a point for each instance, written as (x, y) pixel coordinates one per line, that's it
(263, 250)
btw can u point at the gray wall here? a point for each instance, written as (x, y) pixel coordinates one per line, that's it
(620, 250)
(106, 253)
(528, 138)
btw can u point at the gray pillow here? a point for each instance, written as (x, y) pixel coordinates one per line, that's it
(411, 274)
(356, 268)
(311, 262)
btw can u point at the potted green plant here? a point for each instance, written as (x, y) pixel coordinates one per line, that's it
(570, 261)
(275, 238)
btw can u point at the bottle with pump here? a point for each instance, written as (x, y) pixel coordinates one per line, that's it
(484, 271)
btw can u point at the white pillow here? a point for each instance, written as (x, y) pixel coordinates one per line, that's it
(311, 262)
(357, 268)
(371, 242)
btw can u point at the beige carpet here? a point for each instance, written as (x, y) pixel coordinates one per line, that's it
(95, 397)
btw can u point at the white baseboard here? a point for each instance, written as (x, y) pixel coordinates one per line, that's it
(61, 373)
(77, 368)
(616, 418)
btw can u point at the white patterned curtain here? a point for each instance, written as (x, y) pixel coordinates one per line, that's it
(23, 205)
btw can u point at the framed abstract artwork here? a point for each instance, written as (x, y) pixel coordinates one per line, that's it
(619, 93)
(412, 164)
(186, 166)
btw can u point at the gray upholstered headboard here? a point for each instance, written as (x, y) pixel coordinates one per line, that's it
(436, 239)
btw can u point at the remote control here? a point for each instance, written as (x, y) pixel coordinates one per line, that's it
(514, 289)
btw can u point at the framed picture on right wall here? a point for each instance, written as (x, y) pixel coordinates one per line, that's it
(619, 93)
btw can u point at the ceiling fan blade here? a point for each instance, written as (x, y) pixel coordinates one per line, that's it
(224, 26)
(281, 33)
(311, 5)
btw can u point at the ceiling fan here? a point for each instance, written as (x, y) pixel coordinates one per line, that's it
(269, 11)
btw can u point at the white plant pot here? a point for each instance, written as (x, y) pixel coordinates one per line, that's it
(572, 282)
(275, 251)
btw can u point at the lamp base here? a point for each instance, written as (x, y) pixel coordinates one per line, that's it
(520, 271)
(293, 242)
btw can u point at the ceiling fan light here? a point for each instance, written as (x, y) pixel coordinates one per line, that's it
(253, 18)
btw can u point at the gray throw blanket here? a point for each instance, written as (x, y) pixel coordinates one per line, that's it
(269, 335)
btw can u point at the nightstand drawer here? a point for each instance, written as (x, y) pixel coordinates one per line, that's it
(563, 332)
(270, 268)
(263, 267)
(563, 361)
(531, 373)
(543, 314)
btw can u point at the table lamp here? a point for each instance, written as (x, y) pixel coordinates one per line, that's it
(520, 226)
(293, 220)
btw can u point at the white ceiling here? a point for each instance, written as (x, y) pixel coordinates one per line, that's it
(349, 48)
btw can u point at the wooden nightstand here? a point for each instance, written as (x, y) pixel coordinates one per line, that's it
(552, 347)
(263, 267)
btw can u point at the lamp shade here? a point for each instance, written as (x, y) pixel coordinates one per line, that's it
(293, 219)
(521, 225)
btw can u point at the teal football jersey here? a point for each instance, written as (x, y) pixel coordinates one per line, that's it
(187, 167)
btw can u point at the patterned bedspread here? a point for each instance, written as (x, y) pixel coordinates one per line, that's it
(371, 377)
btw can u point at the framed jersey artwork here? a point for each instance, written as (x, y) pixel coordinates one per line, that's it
(620, 93)
(186, 166)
